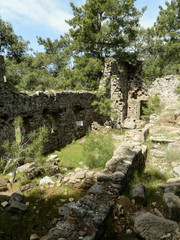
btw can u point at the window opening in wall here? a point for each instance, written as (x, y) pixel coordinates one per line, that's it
(18, 124)
(79, 123)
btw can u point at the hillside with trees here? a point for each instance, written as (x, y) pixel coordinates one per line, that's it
(76, 60)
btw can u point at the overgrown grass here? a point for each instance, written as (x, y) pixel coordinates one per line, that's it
(153, 105)
(71, 155)
(93, 151)
(150, 178)
(98, 149)
(172, 155)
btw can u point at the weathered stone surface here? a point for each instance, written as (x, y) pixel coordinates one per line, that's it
(28, 167)
(172, 204)
(4, 204)
(172, 189)
(129, 123)
(3, 184)
(46, 180)
(177, 170)
(63, 211)
(81, 178)
(17, 196)
(161, 139)
(157, 153)
(18, 205)
(137, 192)
(152, 227)
(4, 196)
(28, 186)
(34, 237)
(97, 188)
(102, 177)
(52, 158)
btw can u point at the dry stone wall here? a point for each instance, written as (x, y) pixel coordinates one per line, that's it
(67, 115)
(123, 85)
(86, 218)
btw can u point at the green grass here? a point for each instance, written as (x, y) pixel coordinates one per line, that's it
(72, 155)
(172, 155)
(93, 151)
(150, 178)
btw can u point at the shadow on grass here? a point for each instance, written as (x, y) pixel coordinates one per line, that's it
(41, 215)
(150, 178)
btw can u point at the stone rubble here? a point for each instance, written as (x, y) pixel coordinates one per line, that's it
(151, 227)
(84, 219)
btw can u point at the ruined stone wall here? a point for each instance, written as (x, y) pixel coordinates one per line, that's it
(67, 115)
(124, 86)
(86, 218)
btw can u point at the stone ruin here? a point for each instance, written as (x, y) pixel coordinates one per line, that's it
(68, 115)
(126, 90)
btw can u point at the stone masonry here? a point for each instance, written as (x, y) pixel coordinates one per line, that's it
(67, 115)
(123, 85)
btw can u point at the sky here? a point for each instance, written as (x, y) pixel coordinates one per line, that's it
(46, 18)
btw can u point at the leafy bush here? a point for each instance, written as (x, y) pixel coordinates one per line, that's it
(153, 105)
(98, 149)
(31, 149)
(102, 104)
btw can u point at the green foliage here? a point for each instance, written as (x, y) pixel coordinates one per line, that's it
(72, 155)
(37, 140)
(102, 105)
(31, 149)
(103, 28)
(163, 46)
(10, 44)
(153, 106)
(150, 178)
(172, 154)
(98, 149)
(84, 74)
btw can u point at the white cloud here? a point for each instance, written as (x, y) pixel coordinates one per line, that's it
(50, 13)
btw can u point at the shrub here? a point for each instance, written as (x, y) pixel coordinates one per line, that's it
(153, 105)
(31, 149)
(98, 149)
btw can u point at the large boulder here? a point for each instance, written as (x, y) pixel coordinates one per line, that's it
(152, 227)
(172, 204)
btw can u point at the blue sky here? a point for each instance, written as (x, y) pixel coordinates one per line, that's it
(46, 18)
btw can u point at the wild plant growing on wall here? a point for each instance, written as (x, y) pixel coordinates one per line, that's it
(29, 150)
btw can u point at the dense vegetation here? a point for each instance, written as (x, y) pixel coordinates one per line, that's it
(107, 28)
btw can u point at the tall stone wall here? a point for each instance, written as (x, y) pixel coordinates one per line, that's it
(124, 86)
(67, 115)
